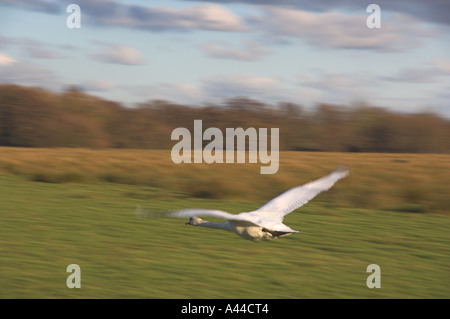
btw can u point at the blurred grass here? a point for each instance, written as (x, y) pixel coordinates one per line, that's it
(90, 221)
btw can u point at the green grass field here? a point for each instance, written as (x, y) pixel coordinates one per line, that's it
(47, 225)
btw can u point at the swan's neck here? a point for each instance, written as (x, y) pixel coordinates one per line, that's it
(215, 225)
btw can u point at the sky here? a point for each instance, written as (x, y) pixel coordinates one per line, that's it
(199, 52)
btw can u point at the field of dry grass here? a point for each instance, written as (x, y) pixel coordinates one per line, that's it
(409, 182)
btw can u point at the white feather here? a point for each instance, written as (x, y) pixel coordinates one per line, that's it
(296, 197)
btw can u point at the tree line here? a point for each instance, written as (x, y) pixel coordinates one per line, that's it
(35, 117)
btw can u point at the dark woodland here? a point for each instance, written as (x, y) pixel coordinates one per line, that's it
(34, 117)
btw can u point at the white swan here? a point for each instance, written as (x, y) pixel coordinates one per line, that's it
(265, 223)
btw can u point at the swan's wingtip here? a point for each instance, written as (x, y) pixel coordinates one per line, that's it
(343, 169)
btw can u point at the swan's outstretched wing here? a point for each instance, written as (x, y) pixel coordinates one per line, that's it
(203, 212)
(186, 213)
(292, 199)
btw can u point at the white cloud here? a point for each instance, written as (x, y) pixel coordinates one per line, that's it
(336, 30)
(6, 60)
(443, 65)
(208, 16)
(214, 17)
(174, 92)
(251, 51)
(33, 48)
(433, 72)
(40, 53)
(215, 89)
(98, 85)
(240, 85)
(205, 16)
(337, 87)
(434, 11)
(26, 73)
(414, 75)
(118, 54)
(336, 81)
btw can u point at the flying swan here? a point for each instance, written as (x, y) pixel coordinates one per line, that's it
(265, 223)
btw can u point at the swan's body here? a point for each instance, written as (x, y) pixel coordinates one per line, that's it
(246, 230)
(265, 223)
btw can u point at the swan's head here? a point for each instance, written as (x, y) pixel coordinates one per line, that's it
(194, 221)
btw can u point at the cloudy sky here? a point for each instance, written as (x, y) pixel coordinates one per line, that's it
(196, 52)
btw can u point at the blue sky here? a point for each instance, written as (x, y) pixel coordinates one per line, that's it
(197, 52)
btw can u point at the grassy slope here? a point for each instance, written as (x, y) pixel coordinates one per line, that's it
(47, 226)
